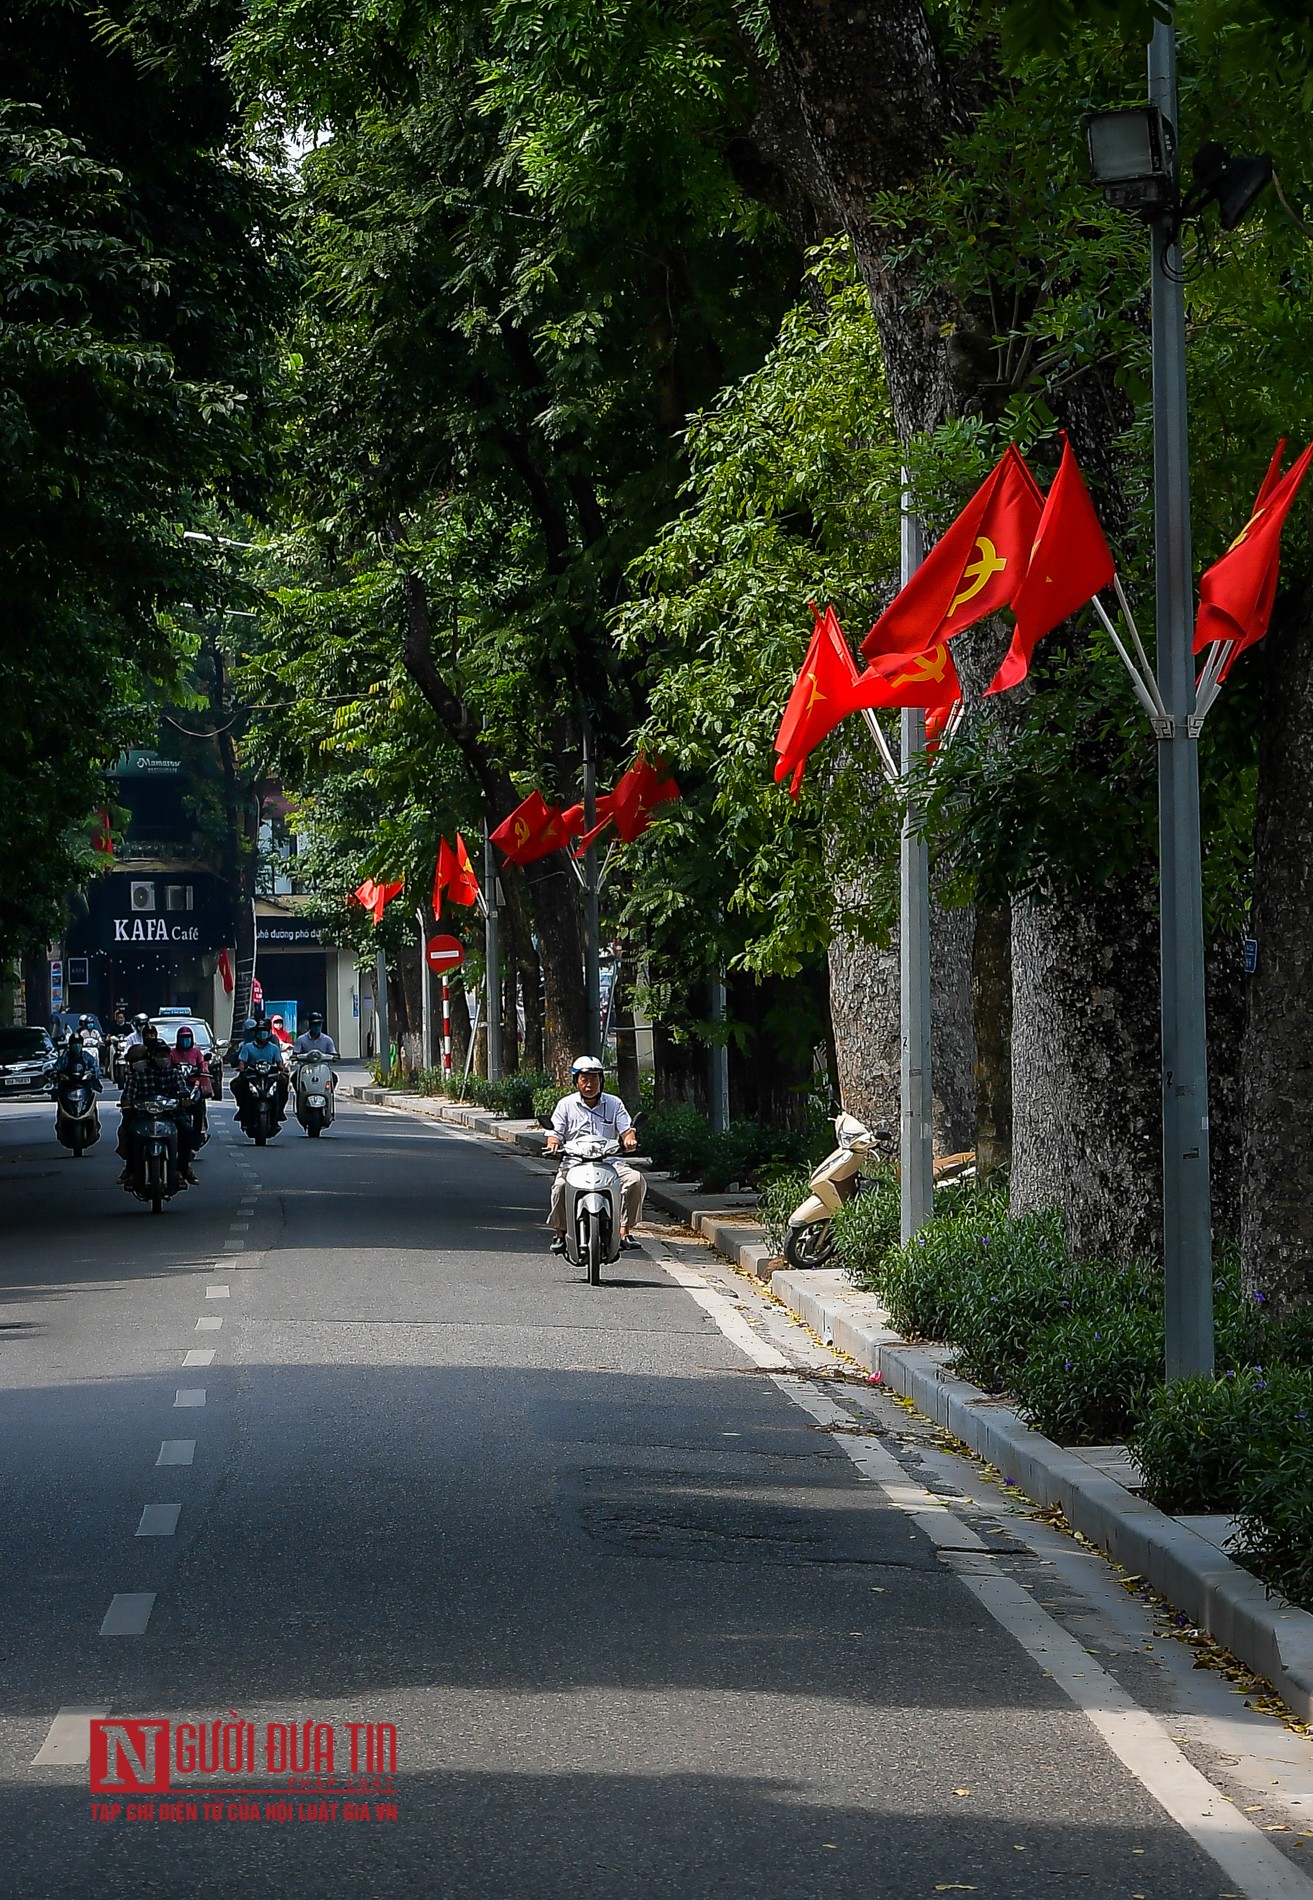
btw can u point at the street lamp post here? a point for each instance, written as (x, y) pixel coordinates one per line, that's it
(492, 957)
(592, 911)
(1187, 1198)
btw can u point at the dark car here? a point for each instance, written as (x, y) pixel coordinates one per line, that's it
(27, 1062)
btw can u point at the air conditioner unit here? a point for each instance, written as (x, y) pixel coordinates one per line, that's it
(141, 897)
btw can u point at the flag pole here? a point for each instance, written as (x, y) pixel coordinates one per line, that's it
(1187, 1199)
(381, 1029)
(425, 995)
(916, 1101)
(491, 956)
(592, 924)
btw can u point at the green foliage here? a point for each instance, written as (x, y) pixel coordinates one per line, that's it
(1199, 1438)
(138, 277)
(781, 1194)
(512, 1095)
(867, 1228)
(680, 1140)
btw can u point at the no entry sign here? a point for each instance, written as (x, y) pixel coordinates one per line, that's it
(444, 953)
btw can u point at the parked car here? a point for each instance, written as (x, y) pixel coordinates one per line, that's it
(169, 1022)
(27, 1062)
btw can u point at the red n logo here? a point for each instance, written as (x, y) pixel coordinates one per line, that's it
(128, 1757)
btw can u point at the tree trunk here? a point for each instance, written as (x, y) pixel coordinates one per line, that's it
(1086, 1113)
(1276, 1208)
(991, 997)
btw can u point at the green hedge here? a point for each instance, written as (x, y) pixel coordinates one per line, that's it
(1078, 1346)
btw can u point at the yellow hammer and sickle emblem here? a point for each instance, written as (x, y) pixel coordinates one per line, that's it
(926, 666)
(816, 692)
(991, 562)
(521, 831)
(1252, 522)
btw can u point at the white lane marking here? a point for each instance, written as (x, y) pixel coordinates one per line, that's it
(177, 1451)
(731, 1323)
(189, 1395)
(68, 1739)
(233, 1246)
(128, 1613)
(1135, 1737)
(159, 1520)
(208, 1324)
(217, 1292)
(239, 1227)
(199, 1356)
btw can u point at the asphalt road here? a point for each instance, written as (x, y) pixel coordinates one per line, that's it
(642, 1625)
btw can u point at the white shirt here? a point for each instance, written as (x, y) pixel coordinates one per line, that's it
(607, 1119)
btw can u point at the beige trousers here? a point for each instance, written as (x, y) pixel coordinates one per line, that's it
(633, 1188)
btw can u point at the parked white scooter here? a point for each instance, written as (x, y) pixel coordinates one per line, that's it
(809, 1237)
(592, 1205)
(314, 1085)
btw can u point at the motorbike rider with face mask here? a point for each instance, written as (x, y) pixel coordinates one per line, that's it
(592, 1112)
(259, 1051)
(151, 1075)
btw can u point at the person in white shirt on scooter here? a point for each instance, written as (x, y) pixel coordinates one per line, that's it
(591, 1112)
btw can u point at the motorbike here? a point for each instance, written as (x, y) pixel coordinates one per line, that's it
(115, 1064)
(153, 1170)
(258, 1114)
(592, 1205)
(77, 1113)
(809, 1237)
(313, 1087)
(192, 1096)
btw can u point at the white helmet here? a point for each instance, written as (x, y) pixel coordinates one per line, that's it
(586, 1065)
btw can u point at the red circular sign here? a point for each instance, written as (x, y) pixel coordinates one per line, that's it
(444, 953)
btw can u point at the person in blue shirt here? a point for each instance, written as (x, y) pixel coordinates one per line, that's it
(260, 1051)
(77, 1054)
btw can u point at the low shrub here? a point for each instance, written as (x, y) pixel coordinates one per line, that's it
(782, 1193)
(866, 1227)
(1086, 1379)
(680, 1140)
(1198, 1439)
(1274, 1530)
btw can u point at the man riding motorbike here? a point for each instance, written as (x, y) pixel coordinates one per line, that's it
(78, 1054)
(259, 1051)
(591, 1112)
(315, 1041)
(140, 1024)
(152, 1074)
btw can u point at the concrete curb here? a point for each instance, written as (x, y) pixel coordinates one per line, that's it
(1264, 1632)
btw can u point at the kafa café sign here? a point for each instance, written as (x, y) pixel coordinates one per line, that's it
(147, 1768)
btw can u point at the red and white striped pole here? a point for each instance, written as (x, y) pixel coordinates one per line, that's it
(446, 1026)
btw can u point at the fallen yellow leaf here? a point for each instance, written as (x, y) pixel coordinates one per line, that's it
(963, 1791)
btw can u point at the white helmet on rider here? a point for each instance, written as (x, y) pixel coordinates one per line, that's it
(586, 1065)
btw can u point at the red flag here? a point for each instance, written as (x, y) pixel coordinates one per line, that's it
(910, 679)
(226, 972)
(1070, 563)
(976, 566)
(821, 697)
(101, 838)
(1237, 593)
(630, 803)
(375, 897)
(454, 875)
(533, 829)
(937, 717)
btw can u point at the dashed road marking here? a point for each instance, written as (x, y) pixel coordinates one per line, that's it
(189, 1395)
(208, 1323)
(217, 1292)
(128, 1613)
(159, 1520)
(199, 1356)
(68, 1739)
(177, 1451)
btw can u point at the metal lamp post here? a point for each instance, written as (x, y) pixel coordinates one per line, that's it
(1135, 158)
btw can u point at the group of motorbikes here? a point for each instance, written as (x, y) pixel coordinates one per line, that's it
(166, 1124)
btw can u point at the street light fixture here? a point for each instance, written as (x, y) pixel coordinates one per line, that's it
(1133, 157)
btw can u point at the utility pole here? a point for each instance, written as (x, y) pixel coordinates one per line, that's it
(916, 1099)
(1187, 1196)
(425, 994)
(383, 1038)
(592, 922)
(717, 1058)
(491, 958)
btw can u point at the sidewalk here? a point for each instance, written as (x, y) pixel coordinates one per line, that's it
(1094, 1488)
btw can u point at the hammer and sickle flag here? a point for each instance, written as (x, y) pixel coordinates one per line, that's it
(1237, 593)
(976, 566)
(821, 697)
(1069, 564)
(919, 679)
(533, 829)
